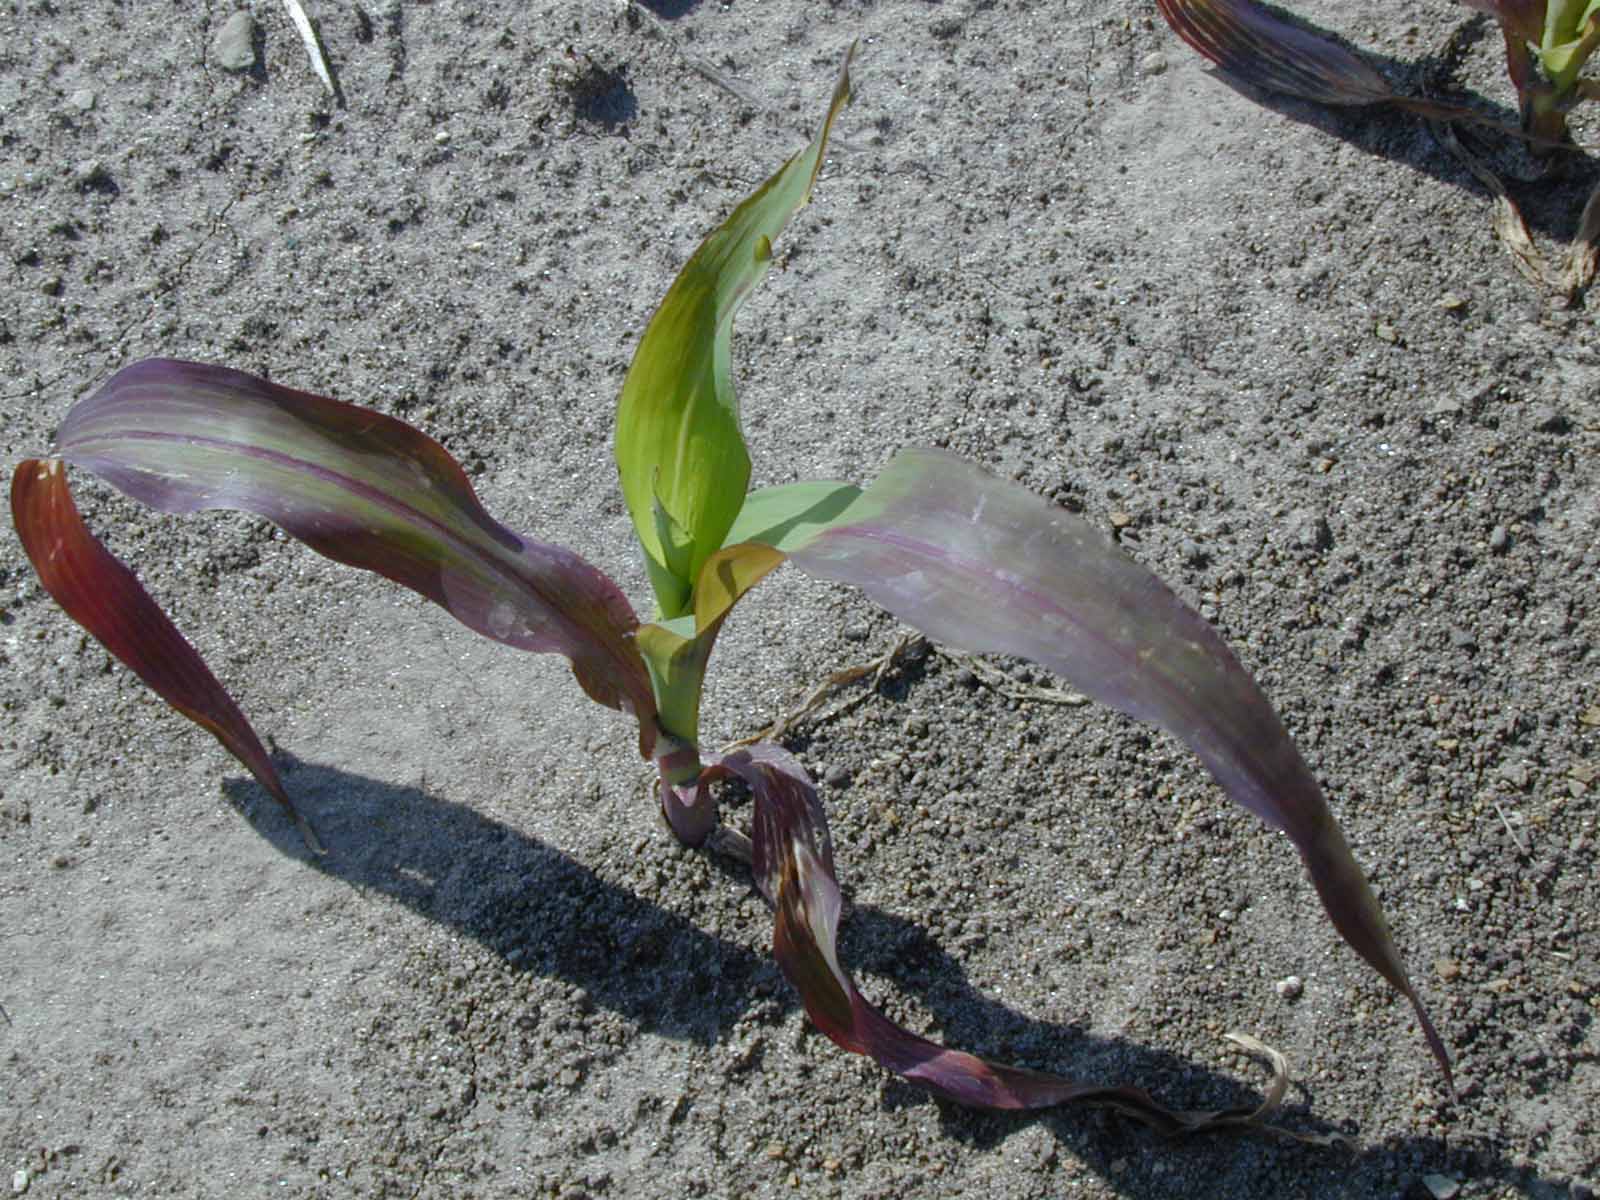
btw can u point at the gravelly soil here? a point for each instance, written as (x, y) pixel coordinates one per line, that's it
(1279, 350)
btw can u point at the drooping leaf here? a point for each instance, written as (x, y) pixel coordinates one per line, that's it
(1256, 46)
(792, 859)
(101, 594)
(1253, 45)
(679, 447)
(359, 487)
(984, 565)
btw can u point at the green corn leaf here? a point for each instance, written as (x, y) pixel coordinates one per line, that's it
(679, 449)
(773, 521)
(783, 516)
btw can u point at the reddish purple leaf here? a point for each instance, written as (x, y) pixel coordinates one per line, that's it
(101, 594)
(792, 858)
(979, 563)
(355, 485)
(1268, 52)
(1521, 18)
(363, 489)
(1254, 46)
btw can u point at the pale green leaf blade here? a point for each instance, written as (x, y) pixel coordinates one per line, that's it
(772, 520)
(678, 440)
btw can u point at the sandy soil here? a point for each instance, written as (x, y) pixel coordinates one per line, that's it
(1280, 349)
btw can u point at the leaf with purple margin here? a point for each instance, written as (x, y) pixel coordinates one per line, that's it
(792, 859)
(984, 565)
(363, 489)
(1254, 45)
(98, 592)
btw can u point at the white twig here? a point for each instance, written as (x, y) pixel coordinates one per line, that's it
(1506, 821)
(308, 35)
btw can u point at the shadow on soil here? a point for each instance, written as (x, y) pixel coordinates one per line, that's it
(1551, 203)
(541, 911)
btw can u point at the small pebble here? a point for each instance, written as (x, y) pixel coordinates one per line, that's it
(1499, 539)
(1515, 774)
(1121, 520)
(837, 776)
(856, 631)
(1547, 419)
(20, 1181)
(91, 175)
(1290, 988)
(83, 100)
(235, 46)
(1155, 63)
(1310, 530)
(1451, 302)
(1440, 1187)
(1387, 333)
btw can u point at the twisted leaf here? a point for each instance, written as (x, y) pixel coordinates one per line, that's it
(356, 486)
(1259, 48)
(982, 564)
(1253, 45)
(792, 858)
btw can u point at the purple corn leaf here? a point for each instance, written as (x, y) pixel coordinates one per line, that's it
(1525, 18)
(982, 564)
(105, 598)
(792, 859)
(1251, 44)
(1254, 46)
(357, 486)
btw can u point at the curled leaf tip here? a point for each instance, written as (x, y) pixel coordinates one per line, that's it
(101, 594)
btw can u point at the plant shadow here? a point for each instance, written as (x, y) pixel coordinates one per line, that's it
(540, 911)
(670, 10)
(1550, 204)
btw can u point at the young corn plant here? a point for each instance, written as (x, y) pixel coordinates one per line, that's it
(963, 556)
(1547, 44)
